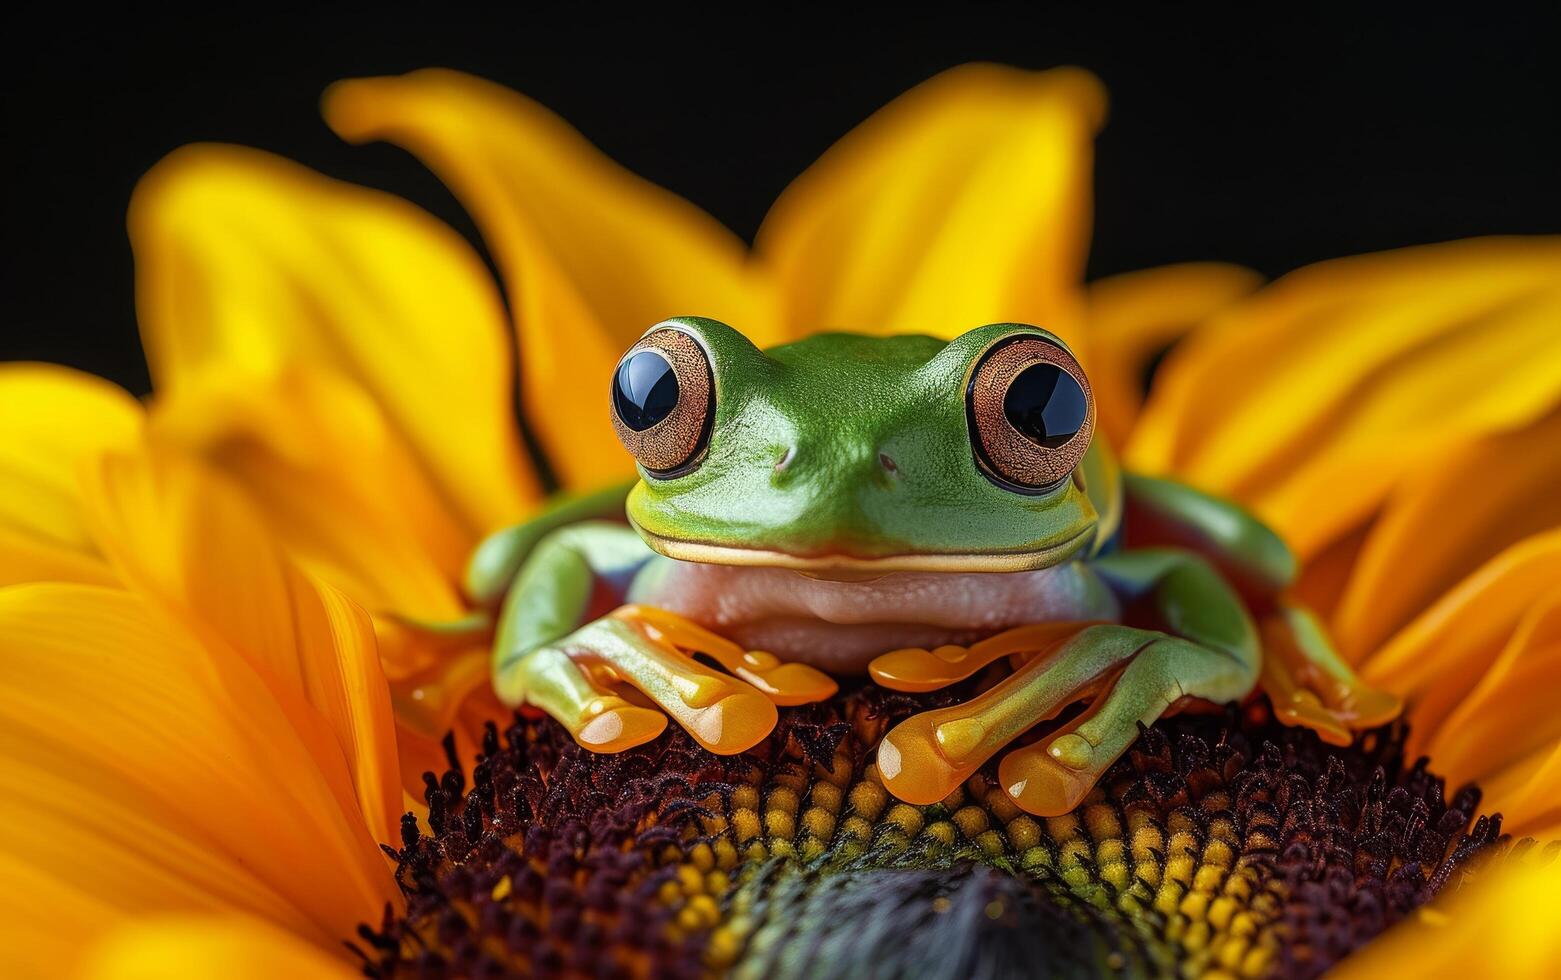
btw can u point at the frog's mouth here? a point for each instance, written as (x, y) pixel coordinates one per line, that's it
(853, 567)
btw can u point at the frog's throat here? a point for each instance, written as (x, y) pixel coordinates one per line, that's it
(852, 565)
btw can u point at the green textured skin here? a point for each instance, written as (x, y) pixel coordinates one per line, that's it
(838, 402)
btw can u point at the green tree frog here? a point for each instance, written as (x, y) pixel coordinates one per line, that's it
(912, 508)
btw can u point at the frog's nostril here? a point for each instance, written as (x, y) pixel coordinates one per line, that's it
(888, 463)
(784, 461)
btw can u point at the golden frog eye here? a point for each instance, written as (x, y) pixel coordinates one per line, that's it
(663, 401)
(1031, 413)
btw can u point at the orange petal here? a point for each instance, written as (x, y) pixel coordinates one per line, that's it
(231, 947)
(182, 535)
(1132, 318)
(142, 772)
(54, 421)
(1504, 732)
(247, 265)
(1502, 924)
(1309, 400)
(965, 201)
(591, 254)
(1436, 661)
(1445, 520)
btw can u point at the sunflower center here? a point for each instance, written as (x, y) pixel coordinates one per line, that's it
(1226, 843)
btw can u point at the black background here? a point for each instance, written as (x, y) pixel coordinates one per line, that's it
(1272, 144)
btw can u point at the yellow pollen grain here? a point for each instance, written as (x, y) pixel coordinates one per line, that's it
(691, 880)
(702, 856)
(1102, 822)
(1023, 833)
(725, 854)
(1117, 874)
(1208, 879)
(745, 825)
(941, 831)
(745, 798)
(991, 843)
(722, 948)
(502, 888)
(779, 824)
(1073, 853)
(716, 883)
(971, 821)
(826, 795)
(1112, 851)
(783, 798)
(954, 800)
(1063, 828)
(857, 828)
(868, 799)
(906, 817)
(819, 822)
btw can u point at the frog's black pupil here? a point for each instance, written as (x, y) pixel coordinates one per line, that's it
(645, 390)
(1046, 404)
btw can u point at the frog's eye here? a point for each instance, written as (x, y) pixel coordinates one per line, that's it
(663, 400)
(1030, 413)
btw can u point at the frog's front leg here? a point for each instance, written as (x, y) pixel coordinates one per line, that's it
(544, 658)
(1306, 680)
(1130, 676)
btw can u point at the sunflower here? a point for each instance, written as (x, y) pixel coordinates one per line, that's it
(219, 697)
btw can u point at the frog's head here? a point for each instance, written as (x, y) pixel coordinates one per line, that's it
(848, 455)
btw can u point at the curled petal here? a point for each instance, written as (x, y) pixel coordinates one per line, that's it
(591, 254)
(1445, 519)
(1311, 399)
(1436, 661)
(248, 266)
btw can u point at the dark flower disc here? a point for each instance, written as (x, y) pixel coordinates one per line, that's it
(1218, 843)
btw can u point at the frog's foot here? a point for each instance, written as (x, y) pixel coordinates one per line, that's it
(783, 683)
(574, 681)
(1129, 677)
(1311, 686)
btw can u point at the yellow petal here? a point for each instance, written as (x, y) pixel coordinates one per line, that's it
(1440, 657)
(247, 265)
(201, 947)
(1133, 318)
(335, 483)
(182, 535)
(591, 254)
(1309, 400)
(1502, 924)
(1445, 520)
(54, 421)
(965, 201)
(141, 772)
